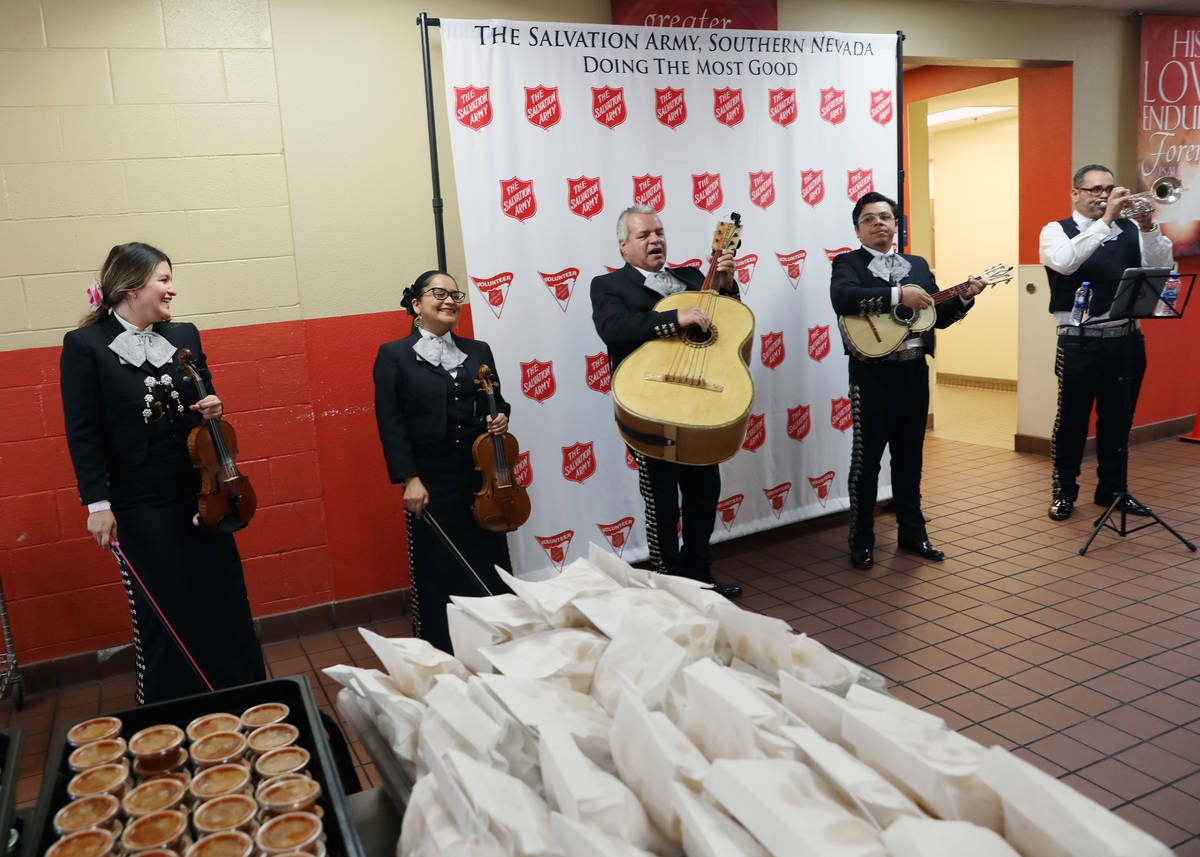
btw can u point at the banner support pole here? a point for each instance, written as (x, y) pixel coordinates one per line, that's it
(903, 237)
(439, 228)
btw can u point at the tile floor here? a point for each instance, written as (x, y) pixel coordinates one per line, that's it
(983, 417)
(1087, 666)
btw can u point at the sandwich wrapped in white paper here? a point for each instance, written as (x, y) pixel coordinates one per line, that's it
(708, 831)
(411, 663)
(429, 829)
(936, 767)
(551, 599)
(651, 753)
(722, 713)
(1046, 817)
(476, 623)
(814, 663)
(818, 708)
(576, 787)
(865, 699)
(653, 608)
(535, 703)
(510, 811)
(518, 743)
(638, 660)
(927, 837)
(616, 568)
(781, 804)
(861, 789)
(565, 656)
(575, 839)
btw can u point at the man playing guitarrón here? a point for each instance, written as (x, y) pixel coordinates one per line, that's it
(623, 312)
(889, 396)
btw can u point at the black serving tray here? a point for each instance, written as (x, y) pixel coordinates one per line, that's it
(11, 741)
(341, 839)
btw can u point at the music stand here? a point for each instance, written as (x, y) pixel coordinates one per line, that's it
(1138, 294)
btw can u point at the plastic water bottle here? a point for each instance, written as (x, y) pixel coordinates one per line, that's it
(1170, 294)
(1083, 297)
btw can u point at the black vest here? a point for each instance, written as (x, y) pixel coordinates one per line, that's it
(464, 414)
(1102, 269)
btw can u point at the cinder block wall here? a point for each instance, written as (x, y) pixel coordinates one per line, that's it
(159, 120)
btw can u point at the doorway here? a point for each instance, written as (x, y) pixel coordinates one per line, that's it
(973, 178)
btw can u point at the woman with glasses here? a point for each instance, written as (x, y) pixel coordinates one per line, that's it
(429, 413)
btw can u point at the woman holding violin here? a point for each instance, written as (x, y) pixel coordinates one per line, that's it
(129, 406)
(429, 414)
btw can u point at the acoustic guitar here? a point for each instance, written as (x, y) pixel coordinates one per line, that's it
(687, 398)
(877, 334)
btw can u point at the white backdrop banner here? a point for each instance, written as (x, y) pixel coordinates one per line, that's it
(555, 128)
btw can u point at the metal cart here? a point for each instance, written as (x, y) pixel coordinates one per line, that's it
(10, 673)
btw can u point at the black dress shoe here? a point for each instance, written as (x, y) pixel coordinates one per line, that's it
(862, 558)
(1061, 509)
(729, 590)
(1129, 505)
(922, 548)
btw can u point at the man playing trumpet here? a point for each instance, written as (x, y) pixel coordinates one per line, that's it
(1095, 244)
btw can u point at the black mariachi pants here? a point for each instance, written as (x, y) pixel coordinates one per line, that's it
(889, 402)
(1091, 370)
(662, 484)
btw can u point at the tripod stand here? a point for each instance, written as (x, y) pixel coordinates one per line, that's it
(1138, 295)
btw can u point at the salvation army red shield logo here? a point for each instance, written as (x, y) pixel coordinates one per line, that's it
(494, 290)
(561, 285)
(617, 533)
(584, 197)
(781, 106)
(743, 270)
(669, 107)
(556, 546)
(820, 485)
(472, 106)
(777, 496)
(818, 342)
(727, 509)
(579, 461)
(523, 470)
(858, 182)
(598, 377)
(541, 105)
(881, 106)
(835, 252)
(706, 191)
(756, 432)
(793, 265)
(648, 190)
(516, 198)
(799, 422)
(772, 349)
(833, 105)
(762, 189)
(812, 186)
(727, 106)
(608, 105)
(839, 414)
(630, 461)
(537, 380)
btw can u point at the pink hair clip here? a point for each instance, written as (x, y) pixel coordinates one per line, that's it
(95, 297)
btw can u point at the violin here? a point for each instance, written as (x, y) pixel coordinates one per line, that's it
(501, 505)
(226, 498)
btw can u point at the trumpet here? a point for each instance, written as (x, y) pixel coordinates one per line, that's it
(1166, 190)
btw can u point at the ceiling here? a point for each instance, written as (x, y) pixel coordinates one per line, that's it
(1147, 6)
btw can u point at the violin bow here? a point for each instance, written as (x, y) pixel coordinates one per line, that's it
(127, 566)
(431, 521)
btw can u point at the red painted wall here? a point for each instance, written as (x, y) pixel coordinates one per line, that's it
(1171, 388)
(329, 524)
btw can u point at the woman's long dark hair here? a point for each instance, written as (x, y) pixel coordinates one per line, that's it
(127, 267)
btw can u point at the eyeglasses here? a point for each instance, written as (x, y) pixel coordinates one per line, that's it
(868, 219)
(1097, 190)
(442, 294)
